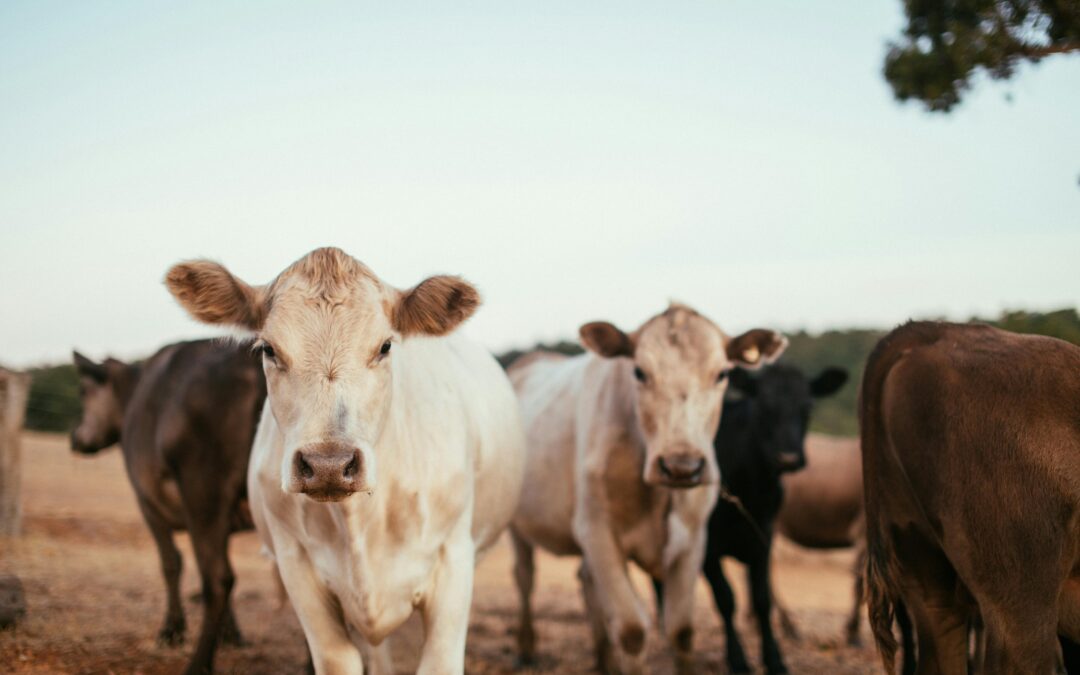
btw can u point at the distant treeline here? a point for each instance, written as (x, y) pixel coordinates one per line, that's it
(54, 395)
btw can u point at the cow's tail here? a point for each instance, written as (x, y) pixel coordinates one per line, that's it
(883, 598)
(882, 605)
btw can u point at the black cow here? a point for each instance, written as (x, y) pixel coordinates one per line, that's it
(185, 420)
(761, 436)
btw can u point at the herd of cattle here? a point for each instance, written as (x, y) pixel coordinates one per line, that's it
(378, 454)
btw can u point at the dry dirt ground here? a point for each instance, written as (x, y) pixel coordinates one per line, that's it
(96, 598)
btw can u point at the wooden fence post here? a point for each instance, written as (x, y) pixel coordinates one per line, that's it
(14, 389)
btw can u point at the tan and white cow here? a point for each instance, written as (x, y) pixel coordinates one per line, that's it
(621, 468)
(389, 455)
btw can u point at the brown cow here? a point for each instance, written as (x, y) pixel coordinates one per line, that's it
(971, 467)
(823, 509)
(185, 419)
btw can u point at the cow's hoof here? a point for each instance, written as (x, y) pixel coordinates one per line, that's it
(231, 636)
(171, 636)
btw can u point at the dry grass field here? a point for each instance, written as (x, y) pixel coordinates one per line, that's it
(96, 599)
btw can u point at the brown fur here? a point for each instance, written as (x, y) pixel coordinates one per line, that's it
(959, 423)
(186, 420)
(606, 340)
(212, 295)
(436, 306)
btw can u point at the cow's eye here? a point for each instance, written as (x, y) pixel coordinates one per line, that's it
(639, 375)
(722, 376)
(385, 349)
(267, 351)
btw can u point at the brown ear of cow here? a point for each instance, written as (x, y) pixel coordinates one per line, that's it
(211, 294)
(91, 369)
(435, 306)
(605, 339)
(756, 348)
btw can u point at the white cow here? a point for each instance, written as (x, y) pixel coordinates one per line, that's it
(621, 468)
(389, 455)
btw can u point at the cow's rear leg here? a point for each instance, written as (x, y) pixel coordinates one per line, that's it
(209, 514)
(931, 595)
(524, 576)
(851, 630)
(210, 541)
(175, 625)
(1021, 639)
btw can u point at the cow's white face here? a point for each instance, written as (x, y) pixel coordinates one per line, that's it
(680, 362)
(327, 329)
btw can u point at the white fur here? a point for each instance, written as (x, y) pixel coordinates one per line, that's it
(450, 466)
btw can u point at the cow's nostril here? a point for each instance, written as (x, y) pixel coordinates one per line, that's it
(303, 468)
(353, 467)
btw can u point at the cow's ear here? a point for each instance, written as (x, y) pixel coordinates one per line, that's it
(828, 382)
(211, 294)
(603, 338)
(84, 366)
(435, 306)
(756, 348)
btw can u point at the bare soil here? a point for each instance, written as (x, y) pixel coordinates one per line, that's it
(96, 598)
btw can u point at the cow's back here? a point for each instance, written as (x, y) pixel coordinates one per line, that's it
(196, 407)
(548, 388)
(972, 407)
(500, 444)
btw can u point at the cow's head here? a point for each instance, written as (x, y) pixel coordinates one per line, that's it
(780, 399)
(102, 388)
(679, 362)
(327, 329)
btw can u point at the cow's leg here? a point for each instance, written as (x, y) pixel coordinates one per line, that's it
(331, 650)
(678, 607)
(725, 604)
(230, 630)
(377, 660)
(852, 628)
(625, 616)
(524, 576)
(907, 640)
(605, 656)
(761, 598)
(210, 539)
(929, 591)
(172, 631)
(446, 609)
(1020, 644)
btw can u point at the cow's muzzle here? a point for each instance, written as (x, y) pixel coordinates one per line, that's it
(327, 472)
(680, 469)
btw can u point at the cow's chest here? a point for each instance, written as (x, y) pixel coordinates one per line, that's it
(379, 563)
(639, 512)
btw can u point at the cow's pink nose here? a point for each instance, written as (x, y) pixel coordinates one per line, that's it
(326, 473)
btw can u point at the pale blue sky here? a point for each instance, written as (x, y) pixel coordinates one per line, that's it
(576, 161)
